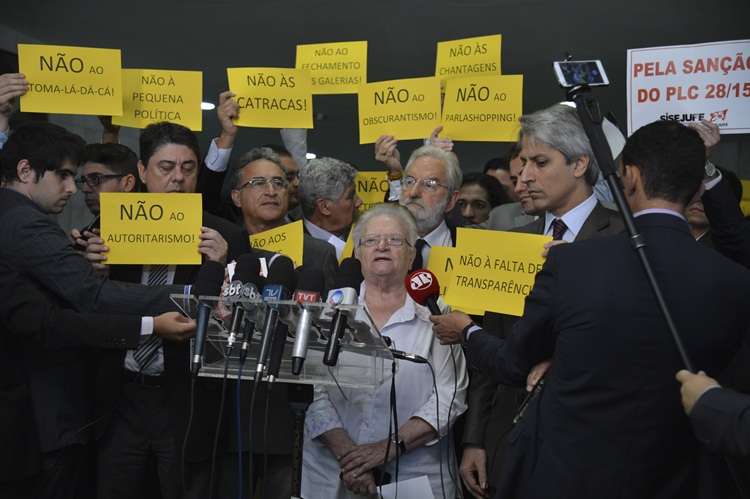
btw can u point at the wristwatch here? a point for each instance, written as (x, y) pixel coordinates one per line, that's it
(710, 169)
(400, 445)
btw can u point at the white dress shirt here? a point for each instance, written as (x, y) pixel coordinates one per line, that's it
(326, 236)
(364, 415)
(440, 236)
(573, 219)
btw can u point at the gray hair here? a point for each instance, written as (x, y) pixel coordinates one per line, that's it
(326, 178)
(392, 211)
(255, 154)
(560, 128)
(449, 160)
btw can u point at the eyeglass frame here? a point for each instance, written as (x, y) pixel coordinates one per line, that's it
(102, 177)
(383, 237)
(423, 181)
(284, 184)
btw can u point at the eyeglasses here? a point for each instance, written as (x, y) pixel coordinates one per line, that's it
(391, 240)
(258, 183)
(96, 179)
(429, 184)
(290, 176)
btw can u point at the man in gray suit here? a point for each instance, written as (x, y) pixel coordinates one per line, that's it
(556, 181)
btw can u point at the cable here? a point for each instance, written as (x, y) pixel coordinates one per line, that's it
(238, 423)
(250, 428)
(264, 482)
(218, 422)
(450, 426)
(437, 418)
(191, 411)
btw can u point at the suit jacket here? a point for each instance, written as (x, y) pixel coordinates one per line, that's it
(721, 421)
(609, 417)
(176, 358)
(492, 406)
(730, 231)
(45, 407)
(35, 250)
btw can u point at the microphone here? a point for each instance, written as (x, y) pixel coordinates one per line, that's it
(204, 313)
(246, 270)
(347, 282)
(281, 279)
(310, 287)
(423, 287)
(400, 354)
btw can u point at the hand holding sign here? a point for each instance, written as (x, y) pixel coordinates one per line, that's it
(212, 245)
(12, 85)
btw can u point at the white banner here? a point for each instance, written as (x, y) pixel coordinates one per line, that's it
(689, 83)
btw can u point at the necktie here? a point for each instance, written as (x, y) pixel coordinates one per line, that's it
(558, 229)
(418, 262)
(149, 346)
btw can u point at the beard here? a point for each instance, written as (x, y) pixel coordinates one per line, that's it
(426, 219)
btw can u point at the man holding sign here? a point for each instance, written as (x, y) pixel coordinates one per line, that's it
(153, 395)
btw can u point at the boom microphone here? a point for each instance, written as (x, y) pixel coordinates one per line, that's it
(423, 287)
(347, 282)
(310, 288)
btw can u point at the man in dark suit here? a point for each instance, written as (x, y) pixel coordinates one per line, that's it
(38, 164)
(261, 194)
(146, 417)
(556, 182)
(608, 418)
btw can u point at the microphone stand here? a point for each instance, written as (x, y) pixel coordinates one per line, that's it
(591, 117)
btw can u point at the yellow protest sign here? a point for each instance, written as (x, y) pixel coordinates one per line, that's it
(371, 188)
(151, 229)
(407, 109)
(475, 56)
(272, 97)
(441, 264)
(495, 270)
(153, 95)
(483, 108)
(335, 68)
(286, 240)
(348, 246)
(71, 80)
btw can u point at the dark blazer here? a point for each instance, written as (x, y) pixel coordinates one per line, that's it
(730, 231)
(176, 358)
(609, 419)
(721, 421)
(34, 249)
(45, 407)
(492, 406)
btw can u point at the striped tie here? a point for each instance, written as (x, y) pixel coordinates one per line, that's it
(149, 346)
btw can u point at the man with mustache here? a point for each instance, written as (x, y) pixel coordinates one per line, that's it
(429, 191)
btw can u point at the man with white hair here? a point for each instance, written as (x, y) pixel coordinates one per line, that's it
(329, 200)
(429, 191)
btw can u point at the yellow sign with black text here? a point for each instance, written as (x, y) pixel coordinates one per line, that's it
(371, 187)
(483, 108)
(441, 264)
(153, 95)
(71, 80)
(475, 56)
(335, 68)
(287, 240)
(151, 229)
(272, 97)
(406, 109)
(495, 270)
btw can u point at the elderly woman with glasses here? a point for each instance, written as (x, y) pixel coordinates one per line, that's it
(347, 447)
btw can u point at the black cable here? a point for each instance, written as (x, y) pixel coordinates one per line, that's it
(437, 418)
(450, 426)
(250, 430)
(395, 421)
(217, 431)
(191, 411)
(238, 424)
(264, 482)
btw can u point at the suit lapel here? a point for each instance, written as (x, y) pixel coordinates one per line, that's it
(597, 221)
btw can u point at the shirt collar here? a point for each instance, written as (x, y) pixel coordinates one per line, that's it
(439, 235)
(575, 218)
(407, 313)
(660, 211)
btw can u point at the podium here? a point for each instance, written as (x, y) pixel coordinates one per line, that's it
(361, 363)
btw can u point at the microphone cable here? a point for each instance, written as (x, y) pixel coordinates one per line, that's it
(191, 412)
(437, 420)
(217, 431)
(450, 427)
